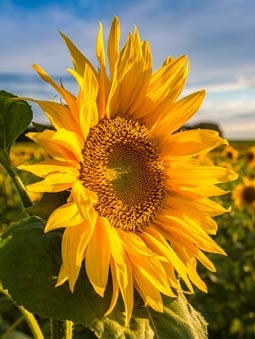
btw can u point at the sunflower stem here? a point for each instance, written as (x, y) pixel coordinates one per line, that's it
(32, 322)
(61, 329)
(4, 160)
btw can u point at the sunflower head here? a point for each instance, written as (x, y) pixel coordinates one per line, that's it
(250, 157)
(244, 195)
(230, 153)
(138, 205)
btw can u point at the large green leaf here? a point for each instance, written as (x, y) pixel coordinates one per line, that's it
(15, 116)
(29, 265)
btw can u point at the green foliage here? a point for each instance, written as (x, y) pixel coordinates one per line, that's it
(15, 116)
(31, 283)
(47, 204)
(229, 306)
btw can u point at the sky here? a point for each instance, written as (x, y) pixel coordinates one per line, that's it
(218, 36)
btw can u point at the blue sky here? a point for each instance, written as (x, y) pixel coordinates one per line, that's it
(218, 36)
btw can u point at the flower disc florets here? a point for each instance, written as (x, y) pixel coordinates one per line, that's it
(121, 164)
(248, 194)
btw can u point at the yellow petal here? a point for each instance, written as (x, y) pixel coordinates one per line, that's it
(207, 191)
(151, 296)
(151, 270)
(62, 276)
(147, 56)
(134, 245)
(98, 257)
(205, 261)
(66, 95)
(175, 116)
(54, 182)
(189, 143)
(161, 90)
(85, 237)
(171, 255)
(46, 167)
(190, 212)
(122, 271)
(59, 115)
(66, 215)
(113, 45)
(125, 282)
(71, 144)
(204, 206)
(88, 112)
(85, 200)
(104, 83)
(186, 232)
(78, 59)
(115, 289)
(62, 144)
(195, 278)
(71, 241)
(100, 47)
(192, 176)
(129, 81)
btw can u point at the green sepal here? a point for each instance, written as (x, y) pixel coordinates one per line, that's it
(29, 264)
(15, 116)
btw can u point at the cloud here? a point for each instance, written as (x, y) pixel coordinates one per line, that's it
(218, 36)
(226, 86)
(31, 36)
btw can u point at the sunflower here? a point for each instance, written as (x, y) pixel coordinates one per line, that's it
(230, 153)
(138, 207)
(250, 157)
(244, 195)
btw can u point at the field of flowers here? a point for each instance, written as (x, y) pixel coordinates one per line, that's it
(229, 306)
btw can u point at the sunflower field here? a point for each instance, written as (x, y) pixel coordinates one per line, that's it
(229, 305)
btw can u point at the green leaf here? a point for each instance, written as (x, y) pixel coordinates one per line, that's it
(41, 127)
(15, 116)
(47, 204)
(180, 319)
(29, 266)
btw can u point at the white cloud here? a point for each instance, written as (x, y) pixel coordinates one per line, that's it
(218, 36)
(239, 84)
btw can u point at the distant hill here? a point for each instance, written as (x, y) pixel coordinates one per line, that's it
(206, 125)
(203, 125)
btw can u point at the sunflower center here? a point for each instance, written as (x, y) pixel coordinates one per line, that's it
(250, 156)
(121, 164)
(249, 194)
(229, 155)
